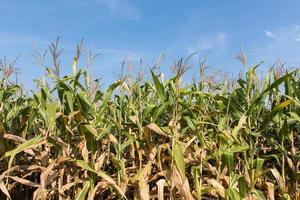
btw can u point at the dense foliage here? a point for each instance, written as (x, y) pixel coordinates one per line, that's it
(157, 139)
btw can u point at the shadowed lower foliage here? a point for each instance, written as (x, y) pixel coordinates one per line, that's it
(157, 139)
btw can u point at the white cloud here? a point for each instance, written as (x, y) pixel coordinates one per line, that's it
(297, 27)
(297, 38)
(284, 46)
(119, 54)
(7, 38)
(269, 34)
(206, 42)
(121, 8)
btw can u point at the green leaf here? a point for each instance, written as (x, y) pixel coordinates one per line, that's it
(259, 165)
(284, 131)
(105, 132)
(240, 125)
(195, 173)
(26, 145)
(85, 166)
(228, 160)
(238, 148)
(106, 98)
(82, 194)
(162, 108)
(179, 158)
(127, 143)
(159, 87)
(295, 116)
(101, 174)
(242, 187)
(49, 115)
(232, 194)
(277, 108)
(190, 123)
(70, 100)
(268, 89)
(259, 194)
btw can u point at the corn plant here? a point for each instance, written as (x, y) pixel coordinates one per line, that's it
(151, 139)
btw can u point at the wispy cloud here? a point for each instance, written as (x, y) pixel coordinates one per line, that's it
(119, 54)
(285, 45)
(269, 34)
(208, 42)
(8, 38)
(121, 8)
(297, 38)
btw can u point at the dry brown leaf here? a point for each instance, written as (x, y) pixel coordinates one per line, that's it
(113, 139)
(218, 187)
(4, 189)
(85, 153)
(181, 183)
(124, 183)
(211, 168)
(61, 182)
(223, 175)
(124, 85)
(247, 178)
(152, 153)
(160, 174)
(30, 152)
(100, 161)
(21, 168)
(186, 145)
(24, 181)
(290, 163)
(52, 177)
(134, 119)
(59, 140)
(160, 189)
(143, 181)
(144, 189)
(2, 133)
(278, 178)
(157, 130)
(270, 188)
(94, 191)
(147, 133)
(62, 159)
(44, 180)
(14, 138)
(44, 158)
(66, 187)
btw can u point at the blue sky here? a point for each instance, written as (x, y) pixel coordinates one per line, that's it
(268, 30)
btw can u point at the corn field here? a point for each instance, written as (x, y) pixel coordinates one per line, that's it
(150, 139)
